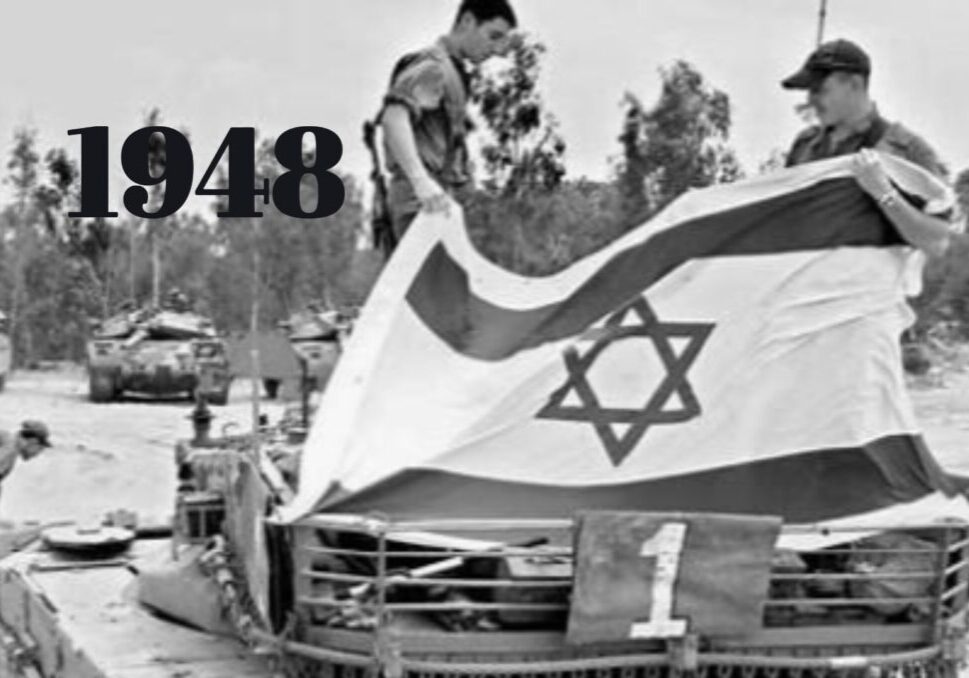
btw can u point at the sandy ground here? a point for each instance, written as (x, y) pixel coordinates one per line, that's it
(942, 407)
(105, 456)
(121, 455)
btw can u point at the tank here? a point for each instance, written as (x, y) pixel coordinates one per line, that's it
(316, 337)
(218, 593)
(157, 353)
(297, 356)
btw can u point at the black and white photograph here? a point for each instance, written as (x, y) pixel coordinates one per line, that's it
(484, 339)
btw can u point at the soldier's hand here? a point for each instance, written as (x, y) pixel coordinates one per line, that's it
(870, 173)
(433, 198)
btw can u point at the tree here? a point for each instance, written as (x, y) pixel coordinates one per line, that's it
(157, 163)
(23, 166)
(298, 261)
(68, 269)
(525, 217)
(544, 232)
(523, 152)
(678, 144)
(22, 176)
(52, 259)
(774, 161)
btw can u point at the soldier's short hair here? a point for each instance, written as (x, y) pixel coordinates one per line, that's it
(486, 10)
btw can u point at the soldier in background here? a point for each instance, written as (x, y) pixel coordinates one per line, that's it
(32, 438)
(836, 77)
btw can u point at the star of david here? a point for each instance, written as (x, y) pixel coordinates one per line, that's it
(656, 409)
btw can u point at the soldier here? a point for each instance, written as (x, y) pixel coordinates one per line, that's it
(836, 76)
(26, 444)
(424, 118)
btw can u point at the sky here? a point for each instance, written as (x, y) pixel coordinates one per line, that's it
(213, 64)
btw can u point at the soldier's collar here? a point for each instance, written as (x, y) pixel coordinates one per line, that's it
(447, 45)
(861, 125)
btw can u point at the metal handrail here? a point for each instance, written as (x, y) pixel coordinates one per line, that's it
(442, 581)
(615, 661)
(936, 584)
(367, 523)
(510, 551)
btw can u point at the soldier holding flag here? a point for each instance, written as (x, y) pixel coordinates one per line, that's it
(424, 117)
(32, 439)
(836, 77)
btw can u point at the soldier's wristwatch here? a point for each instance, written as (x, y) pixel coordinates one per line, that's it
(889, 199)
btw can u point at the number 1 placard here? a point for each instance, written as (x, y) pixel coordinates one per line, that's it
(663, 575)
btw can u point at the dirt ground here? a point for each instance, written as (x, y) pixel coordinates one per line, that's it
(104, 456)
(121, 455)
(942, 407)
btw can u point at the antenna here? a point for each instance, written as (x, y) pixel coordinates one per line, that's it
(822, 14)
(804, 109)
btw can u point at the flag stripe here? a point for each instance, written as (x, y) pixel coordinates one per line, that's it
(803, 487)
(828, 214)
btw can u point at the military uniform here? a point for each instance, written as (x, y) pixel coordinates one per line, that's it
(433, 86)
(817, 143)
(871, 132)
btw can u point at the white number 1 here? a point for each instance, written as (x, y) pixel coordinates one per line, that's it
(665, 546)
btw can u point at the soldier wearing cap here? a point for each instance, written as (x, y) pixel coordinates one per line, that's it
(25, 444)
(836, 77)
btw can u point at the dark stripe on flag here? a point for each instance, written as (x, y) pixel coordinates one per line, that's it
(831, 213)
(802, 488)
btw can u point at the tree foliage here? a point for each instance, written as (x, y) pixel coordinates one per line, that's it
(524, 152)
(57, 271)
(678, 144)
(536, 227)
(54, 262)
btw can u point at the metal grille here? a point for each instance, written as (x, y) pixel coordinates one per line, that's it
(400, 597)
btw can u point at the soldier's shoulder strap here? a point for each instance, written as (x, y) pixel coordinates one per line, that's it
(435, 52)
(905, 143)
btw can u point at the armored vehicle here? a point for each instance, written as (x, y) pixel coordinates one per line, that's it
(223, 594)
(301, 351)
(477, 496)
(159, 353)
(316, 338)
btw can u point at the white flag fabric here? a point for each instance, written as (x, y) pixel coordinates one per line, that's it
(737, 353)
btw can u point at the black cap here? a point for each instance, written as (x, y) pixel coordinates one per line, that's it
(837, 55)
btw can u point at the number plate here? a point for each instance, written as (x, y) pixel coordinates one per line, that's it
(663, 575)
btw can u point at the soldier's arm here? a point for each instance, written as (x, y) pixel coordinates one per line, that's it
(925, 231)
(929, 233)
(418, 88)
(399, 135)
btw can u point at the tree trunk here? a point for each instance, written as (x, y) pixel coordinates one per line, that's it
(155, 272)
